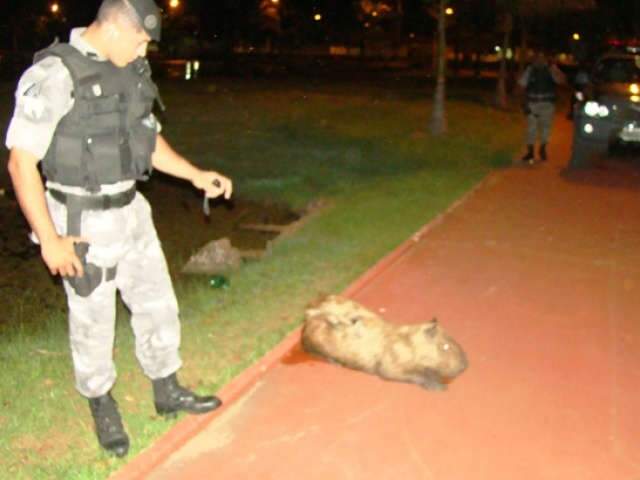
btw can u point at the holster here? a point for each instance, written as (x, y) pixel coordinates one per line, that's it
(93, 275)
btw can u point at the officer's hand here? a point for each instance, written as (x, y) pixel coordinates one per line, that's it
(60, 257)
(213, 184)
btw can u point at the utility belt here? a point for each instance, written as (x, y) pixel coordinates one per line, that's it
(541, 97)
(76, 204)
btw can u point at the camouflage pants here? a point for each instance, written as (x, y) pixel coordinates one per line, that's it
(539, 121)
(124, 238)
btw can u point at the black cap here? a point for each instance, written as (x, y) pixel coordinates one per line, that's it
(150, 17)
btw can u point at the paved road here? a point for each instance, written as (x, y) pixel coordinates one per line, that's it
(537, 274)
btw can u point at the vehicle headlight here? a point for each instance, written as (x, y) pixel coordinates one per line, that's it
(594, 109)
(634, 89)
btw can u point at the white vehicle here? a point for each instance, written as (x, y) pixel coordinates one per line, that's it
(609, 113)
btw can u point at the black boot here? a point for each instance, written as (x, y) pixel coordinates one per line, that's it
(529, 157)
(170, 397)
(543, 152)
(109, 429)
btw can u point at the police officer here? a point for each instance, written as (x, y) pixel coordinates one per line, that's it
(84, 111)
(539, 81)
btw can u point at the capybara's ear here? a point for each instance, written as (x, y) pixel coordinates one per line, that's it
(430, 329)
(318, 301)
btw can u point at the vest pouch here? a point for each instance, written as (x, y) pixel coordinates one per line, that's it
(141, 106)
(143, 143)
(64, 165)
(105, 161)
(105, 112)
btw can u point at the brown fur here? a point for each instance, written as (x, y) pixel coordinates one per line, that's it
(343, 331)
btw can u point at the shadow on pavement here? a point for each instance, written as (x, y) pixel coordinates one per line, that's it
(622, 173)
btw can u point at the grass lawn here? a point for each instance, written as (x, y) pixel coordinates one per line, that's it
(364, 150)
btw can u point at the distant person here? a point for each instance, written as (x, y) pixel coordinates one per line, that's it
(580, 84)
(540, 81)
(84, 111)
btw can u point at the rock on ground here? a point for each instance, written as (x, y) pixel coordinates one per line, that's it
(215, 257)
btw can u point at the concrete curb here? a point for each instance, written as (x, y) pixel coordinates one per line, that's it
(190, 426)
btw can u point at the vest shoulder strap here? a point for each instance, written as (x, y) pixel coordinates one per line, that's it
(81, 68)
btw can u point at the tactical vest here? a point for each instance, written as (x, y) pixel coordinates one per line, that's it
(109, 135)
(541, 87)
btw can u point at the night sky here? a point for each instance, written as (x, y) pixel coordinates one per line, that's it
(29, 24)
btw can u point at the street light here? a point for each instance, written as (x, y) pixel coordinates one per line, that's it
(576, 36)
(55, 8)
(317, 17)
(449, 11)
(174, 4)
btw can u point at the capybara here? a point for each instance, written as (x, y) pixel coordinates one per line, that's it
(345, 332)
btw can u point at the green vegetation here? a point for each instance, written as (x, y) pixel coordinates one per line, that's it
(363, 150)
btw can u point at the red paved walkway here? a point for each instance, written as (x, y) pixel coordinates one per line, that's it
(538, 277)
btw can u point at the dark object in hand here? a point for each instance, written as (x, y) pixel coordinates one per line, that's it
(84, 286)
(205, 204)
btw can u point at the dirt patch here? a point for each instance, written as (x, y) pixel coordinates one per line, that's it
(31, 448)
(27, 287)
(25, 284)
(176, 205)
(14, 232)
(184, 228)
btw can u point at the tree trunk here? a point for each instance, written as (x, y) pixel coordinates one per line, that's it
(229, 37)
(438, 114)
(524, 47)
(477, 67)
(399, 25)
(501, 94)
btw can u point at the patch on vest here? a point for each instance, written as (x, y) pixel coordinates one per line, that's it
(150, 122)
(97, 90)
(150, 22)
